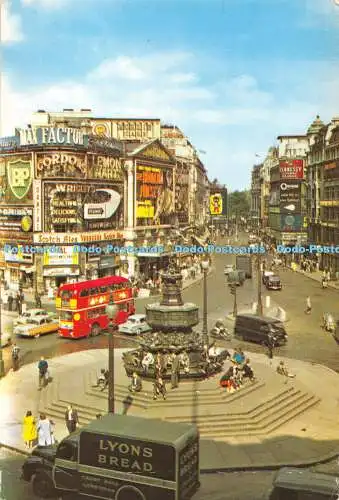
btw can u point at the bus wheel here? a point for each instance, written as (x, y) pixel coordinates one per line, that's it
(95, 331)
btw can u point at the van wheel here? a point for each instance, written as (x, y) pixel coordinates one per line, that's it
(95, 331)
(43, 485)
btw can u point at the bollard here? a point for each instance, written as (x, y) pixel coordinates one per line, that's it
(267, 301)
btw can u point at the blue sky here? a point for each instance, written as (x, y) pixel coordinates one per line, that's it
(232, 74)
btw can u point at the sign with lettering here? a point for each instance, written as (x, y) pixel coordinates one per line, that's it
(140, 130)
(105, 167)
(291, 223)
(16, 219)
(37, 197)
(189, 469)
(51, 136)
(18, 256)
(155, 195)
(291, 169)
(181, 175)
(75, 238)
(127, 455)
(61, 165)
(64, 257)
(19, 174)
(81, 206)
(16, 180)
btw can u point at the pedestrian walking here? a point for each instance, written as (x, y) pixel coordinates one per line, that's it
(38, 300)
(10, 301)
(71, 419)
(308, 306)
(43, 372)
(271, 342)
(45, 431)
(29, 430)
(159, 388)
(175, 370)
(15, 357)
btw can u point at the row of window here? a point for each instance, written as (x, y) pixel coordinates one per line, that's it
(68, 294)
(92, 313)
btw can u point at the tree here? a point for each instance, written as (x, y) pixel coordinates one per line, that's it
(239, 204)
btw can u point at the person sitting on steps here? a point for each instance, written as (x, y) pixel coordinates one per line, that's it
(159, 388)
(282, 370)
(102, 379)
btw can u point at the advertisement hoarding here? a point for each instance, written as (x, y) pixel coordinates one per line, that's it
(16, 219)
(155, 196)
(291, 169)
(218, 203)
(52, 136)
(66, 256)
(82, 206)
(16, 176)
(181, 192)
(290, 192)
(291, 223)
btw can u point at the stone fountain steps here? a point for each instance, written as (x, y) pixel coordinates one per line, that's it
(176, 398)
(271, 416)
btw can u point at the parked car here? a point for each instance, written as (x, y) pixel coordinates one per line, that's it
(302, 484)
(29, 315)
(135, 325)
(273, 283)
(37, 327)
(266, 275)
(257, 329)
(228, 269)
(5, 339)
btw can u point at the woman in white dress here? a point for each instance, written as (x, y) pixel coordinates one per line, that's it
(45, 432)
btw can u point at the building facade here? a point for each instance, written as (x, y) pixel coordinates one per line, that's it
(323, 201)
(71, 182)
(256, 195)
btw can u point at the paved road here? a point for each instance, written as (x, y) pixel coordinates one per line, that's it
(307, 341)
(233, 486)
(226, 486)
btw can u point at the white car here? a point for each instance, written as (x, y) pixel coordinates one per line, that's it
(135, 325)
(37, 327)
(228, 269)
(5, 339)
(30, 315)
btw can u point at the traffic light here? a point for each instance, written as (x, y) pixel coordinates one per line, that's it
(233, 289)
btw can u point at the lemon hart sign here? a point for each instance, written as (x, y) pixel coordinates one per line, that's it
(16, 176)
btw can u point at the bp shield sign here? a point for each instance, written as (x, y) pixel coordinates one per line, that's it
(19, 174)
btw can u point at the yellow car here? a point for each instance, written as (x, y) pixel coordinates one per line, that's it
(37, 327)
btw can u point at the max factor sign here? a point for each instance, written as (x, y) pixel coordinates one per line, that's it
(50, 136)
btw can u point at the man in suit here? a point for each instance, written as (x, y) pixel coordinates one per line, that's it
(71, 418)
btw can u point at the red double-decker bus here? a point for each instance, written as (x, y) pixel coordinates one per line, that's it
(81, 306)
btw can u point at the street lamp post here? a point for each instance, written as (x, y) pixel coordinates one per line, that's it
(111, 310)
(204, 265)
(233, 290)
(259, 302)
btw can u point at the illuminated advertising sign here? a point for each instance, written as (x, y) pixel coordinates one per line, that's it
(290, 192)
(80, 206)
(291, 169)
(51, 136)
(15, 219)
(61, 164)
(9, 143)
(291, 223)
(16, 175)
(218, 203)
(181, 192)
(155, 197)
(65, 257)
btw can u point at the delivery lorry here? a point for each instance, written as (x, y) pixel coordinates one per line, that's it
(119, 457)
(244, 263)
